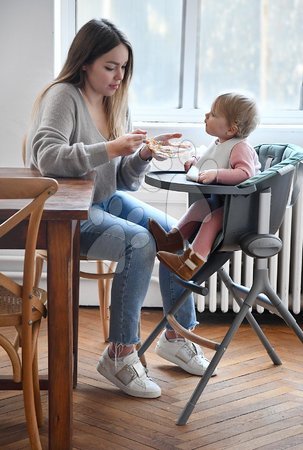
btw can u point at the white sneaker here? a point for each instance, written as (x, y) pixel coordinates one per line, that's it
(129, 375)
(184, 353)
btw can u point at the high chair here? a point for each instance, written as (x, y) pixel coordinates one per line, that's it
(253, 213)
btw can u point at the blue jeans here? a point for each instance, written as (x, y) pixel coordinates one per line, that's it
(117, 230)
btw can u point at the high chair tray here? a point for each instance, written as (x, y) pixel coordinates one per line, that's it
(176, 181)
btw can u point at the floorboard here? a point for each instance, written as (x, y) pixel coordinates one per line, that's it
(250, 404)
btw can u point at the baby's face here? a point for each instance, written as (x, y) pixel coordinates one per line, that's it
(217, 125)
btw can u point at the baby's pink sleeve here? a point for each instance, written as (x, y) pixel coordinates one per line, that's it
(243, 164)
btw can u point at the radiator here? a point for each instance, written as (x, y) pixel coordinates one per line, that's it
(285, 269)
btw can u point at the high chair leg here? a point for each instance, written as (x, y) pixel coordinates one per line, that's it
(161, 325)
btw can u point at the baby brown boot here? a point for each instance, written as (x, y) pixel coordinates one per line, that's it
(185, 265)
(168, 242)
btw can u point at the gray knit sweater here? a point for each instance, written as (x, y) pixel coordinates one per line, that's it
(64, 142)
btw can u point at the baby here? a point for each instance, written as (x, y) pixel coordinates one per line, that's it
(228, 160)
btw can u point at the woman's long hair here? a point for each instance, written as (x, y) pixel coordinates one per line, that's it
(93, 40)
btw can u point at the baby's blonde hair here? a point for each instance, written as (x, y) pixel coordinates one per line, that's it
(239, 110)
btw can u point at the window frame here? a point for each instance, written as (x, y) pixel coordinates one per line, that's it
(65, 29)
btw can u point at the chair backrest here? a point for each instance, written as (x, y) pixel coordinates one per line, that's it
(281, 172)
(33, 192)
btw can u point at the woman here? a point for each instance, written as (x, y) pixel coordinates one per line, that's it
(81, 123)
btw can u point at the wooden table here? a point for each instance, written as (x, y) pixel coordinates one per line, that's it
(59, 235)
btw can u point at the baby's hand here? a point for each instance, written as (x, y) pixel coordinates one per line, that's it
(189, 163)
(207, 176)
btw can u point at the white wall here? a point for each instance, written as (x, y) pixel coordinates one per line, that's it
(27, 59)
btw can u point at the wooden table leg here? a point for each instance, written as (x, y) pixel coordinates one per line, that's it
(60, 351)
(76, 271)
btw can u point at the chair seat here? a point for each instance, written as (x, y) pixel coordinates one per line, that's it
(11, 307)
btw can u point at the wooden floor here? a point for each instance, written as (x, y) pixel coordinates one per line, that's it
(251, 404)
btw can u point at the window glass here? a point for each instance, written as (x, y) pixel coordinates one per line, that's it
(187, 52)
(254, 45)
(154, 30)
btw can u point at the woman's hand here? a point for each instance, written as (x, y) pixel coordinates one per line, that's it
(207, 176)
(165, 138)
(125, 145)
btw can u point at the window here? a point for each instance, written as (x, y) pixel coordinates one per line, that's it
(256, 45)
(154, 29)
(186, 52)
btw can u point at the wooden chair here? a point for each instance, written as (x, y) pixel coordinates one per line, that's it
(21, 305)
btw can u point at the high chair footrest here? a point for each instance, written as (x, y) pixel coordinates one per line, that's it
(190, 335)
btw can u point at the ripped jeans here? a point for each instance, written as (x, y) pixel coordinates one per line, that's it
(117, 230)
